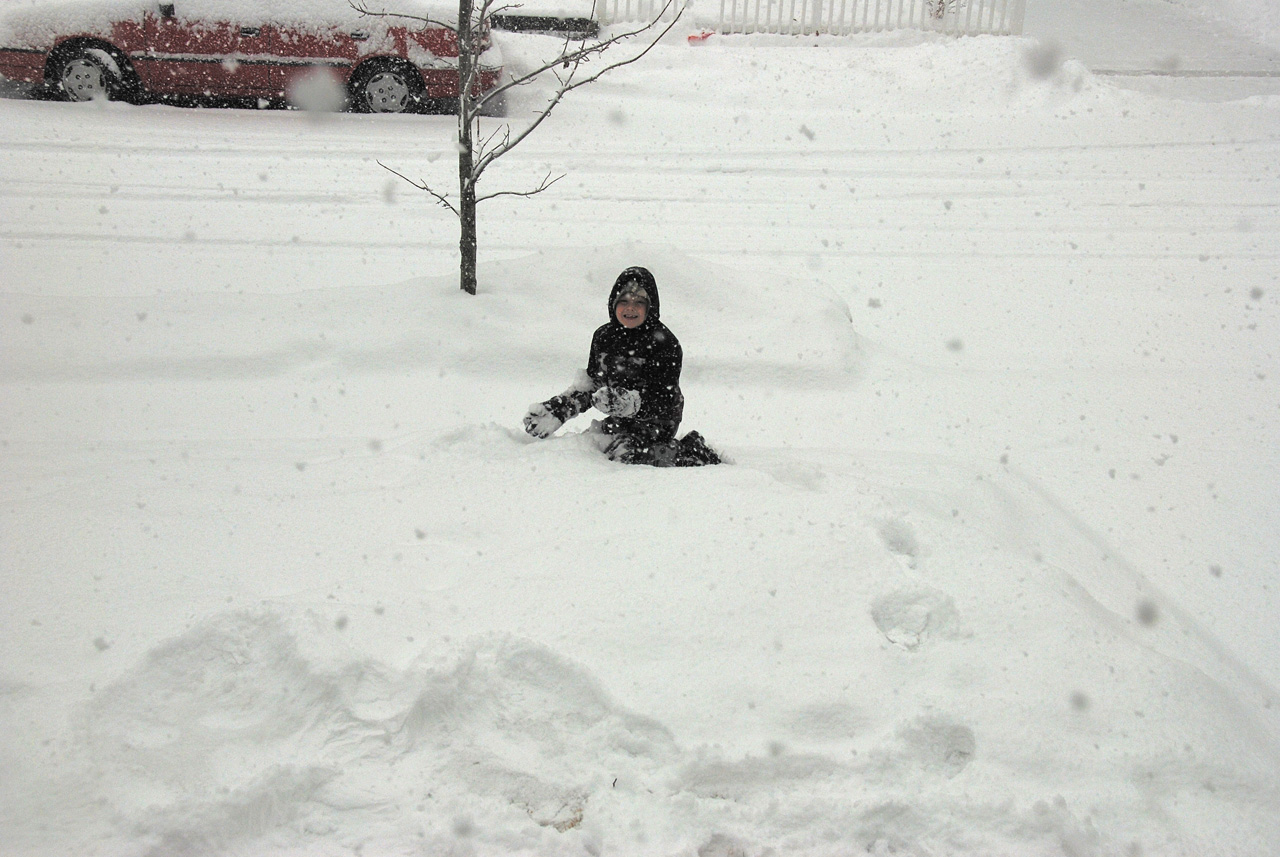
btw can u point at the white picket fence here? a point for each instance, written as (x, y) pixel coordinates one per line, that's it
(834, 17)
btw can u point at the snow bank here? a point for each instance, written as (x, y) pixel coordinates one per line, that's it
(1258, 19)
(741, 328)
(914, 72)
(232, 730)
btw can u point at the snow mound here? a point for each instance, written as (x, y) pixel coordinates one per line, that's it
(531, 318)
(1259, 19)
(232, 730)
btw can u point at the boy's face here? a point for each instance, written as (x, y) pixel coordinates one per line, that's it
(631, 312)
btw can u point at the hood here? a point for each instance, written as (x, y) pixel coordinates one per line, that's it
(642, 276)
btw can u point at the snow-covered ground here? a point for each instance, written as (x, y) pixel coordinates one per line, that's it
(991, 342)
(1203, 49)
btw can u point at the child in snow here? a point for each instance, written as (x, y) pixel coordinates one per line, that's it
(633, 377)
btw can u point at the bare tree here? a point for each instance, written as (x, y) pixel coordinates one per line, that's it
(476, 152)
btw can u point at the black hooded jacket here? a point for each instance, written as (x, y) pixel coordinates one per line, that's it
(646, 359)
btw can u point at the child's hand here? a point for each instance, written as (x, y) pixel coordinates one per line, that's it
(540, 422)
(615, 402)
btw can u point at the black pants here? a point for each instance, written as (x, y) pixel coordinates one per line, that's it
(634, 441)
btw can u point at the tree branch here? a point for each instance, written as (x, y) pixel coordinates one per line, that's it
(488, 10)
(573, 60)
(421, 185)
(483, 146)
(585, 52)
(362, 7)
(547, 182)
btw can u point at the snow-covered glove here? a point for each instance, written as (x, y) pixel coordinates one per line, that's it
(540, 422)
(615, 402)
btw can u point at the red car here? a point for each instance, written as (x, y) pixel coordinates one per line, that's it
(254, 49)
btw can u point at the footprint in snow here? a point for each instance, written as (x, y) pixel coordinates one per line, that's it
(909, 618)
(938, 743)
(900, 538)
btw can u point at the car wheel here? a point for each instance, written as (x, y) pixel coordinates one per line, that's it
(495, 106)
(87, 74)
(385, 88)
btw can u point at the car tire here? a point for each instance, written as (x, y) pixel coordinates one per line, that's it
(495, 106)
(86, 74)
(385, 87)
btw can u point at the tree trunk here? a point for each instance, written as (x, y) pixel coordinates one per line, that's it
(467, 224)
(466, 155)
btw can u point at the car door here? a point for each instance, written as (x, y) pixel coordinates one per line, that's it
(301, 52)
(203, 49)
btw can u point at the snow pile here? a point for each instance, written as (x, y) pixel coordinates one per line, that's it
(1258, 19)
(741, 330)
(228, 732)
(919, 71)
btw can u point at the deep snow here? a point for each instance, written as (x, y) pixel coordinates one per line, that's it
(990, 341)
